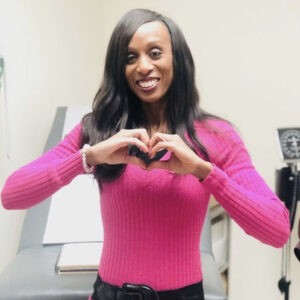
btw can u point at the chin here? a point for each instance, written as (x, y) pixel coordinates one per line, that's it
(152, 99)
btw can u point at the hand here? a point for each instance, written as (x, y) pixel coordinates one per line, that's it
(114, 150)
(182, 161)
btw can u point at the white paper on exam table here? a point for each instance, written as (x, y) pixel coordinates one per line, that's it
(79, 258)
(74, 214)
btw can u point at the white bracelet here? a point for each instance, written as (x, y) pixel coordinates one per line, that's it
(87, 169)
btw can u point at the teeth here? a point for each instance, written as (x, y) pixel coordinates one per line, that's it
(147, 84)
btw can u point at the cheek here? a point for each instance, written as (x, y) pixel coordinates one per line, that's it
(170, 67)
(171, 75)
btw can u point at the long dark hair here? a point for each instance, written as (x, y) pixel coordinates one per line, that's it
(115, 107)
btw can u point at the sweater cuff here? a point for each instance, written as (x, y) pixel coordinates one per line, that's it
(70, 168)
(215, 180)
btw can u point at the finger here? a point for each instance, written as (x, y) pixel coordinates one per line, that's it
(157, 137)
(161, 146)
(141, 134)
(138, 143)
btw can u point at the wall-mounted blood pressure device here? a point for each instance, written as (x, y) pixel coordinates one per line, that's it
(288, 190)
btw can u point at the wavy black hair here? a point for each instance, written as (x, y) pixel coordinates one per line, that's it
(116, 107)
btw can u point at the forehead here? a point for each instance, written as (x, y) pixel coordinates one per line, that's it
(152, 32)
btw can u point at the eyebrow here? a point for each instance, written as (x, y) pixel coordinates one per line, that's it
(154, 43)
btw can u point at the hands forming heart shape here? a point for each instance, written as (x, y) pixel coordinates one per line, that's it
(132, 146)
(135, 151)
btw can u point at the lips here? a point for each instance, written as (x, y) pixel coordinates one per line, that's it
(147, 84)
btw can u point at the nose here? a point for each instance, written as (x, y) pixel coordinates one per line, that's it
(144, 66)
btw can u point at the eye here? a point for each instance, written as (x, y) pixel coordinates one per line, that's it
(155, 53)
(130, 58)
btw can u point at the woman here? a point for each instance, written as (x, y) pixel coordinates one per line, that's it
(153, 207)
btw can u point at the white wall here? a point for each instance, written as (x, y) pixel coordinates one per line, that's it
(248, 68)
(53, 53)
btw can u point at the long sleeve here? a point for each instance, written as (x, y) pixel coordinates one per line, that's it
(242, 192)
(42, 177)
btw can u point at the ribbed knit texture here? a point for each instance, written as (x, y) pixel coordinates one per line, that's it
(153, 219)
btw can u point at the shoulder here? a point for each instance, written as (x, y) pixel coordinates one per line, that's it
(73, 138)
(76, 131)
(217, 129)
(218, 136)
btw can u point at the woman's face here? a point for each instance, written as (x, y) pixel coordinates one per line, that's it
(149, 68)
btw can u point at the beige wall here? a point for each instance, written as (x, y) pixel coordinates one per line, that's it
(248, 70)
(53, 53)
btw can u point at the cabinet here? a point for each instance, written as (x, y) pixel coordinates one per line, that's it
(220, 237)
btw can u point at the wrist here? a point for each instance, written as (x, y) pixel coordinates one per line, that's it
(202, 170)
(87, 163)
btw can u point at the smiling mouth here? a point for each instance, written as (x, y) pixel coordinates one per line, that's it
(147, 84)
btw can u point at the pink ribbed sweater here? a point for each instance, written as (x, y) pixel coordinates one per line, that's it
(153, 219)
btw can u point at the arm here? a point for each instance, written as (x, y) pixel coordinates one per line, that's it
(243, 193)
(230, 177)
(42, 177)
